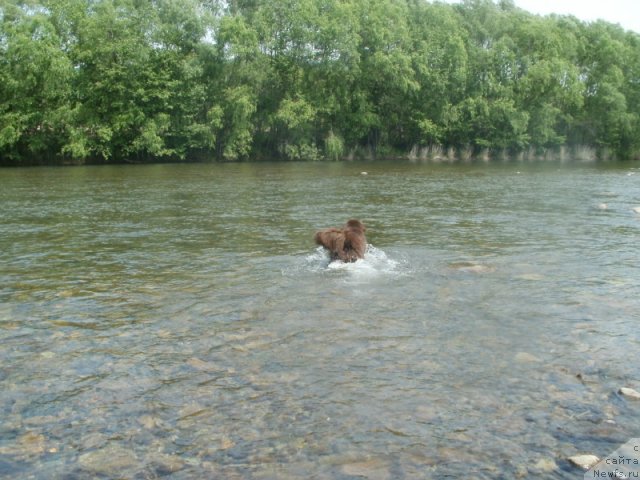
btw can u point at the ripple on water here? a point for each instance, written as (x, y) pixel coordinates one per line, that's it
(177, 321)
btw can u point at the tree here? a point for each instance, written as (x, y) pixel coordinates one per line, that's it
(128, 80)
(34, 84)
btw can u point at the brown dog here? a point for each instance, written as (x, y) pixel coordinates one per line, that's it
(347, 243)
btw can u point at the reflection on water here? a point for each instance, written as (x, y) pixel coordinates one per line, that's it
(178, 321)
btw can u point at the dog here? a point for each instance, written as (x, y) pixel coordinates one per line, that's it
(347, 243)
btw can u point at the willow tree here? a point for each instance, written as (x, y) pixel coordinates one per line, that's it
(35, 75)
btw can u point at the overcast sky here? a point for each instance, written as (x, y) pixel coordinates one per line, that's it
(624, 12)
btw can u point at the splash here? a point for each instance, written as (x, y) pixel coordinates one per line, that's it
(375, 263)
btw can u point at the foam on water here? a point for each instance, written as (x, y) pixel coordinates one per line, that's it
(375, 263)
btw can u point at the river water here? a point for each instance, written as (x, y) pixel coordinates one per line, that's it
(177, 321)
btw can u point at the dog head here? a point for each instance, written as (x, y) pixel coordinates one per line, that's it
(356, 225)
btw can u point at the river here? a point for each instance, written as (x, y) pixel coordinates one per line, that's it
(177, 321)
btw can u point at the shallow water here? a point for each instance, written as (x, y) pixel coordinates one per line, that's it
(177, 321)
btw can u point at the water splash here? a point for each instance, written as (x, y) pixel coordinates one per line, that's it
(375, 263)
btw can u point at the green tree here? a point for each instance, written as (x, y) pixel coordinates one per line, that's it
(608, 121)
(113, 62)
(35, 88)
(127, 80)
(440, 62)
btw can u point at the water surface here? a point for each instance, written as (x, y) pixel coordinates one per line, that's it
(177, 321)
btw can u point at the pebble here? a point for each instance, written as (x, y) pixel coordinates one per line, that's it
(470, 267)
(29, 445)
(200, 364)
(149, 422)
(603, 206)
(522, 472)
(374, 468)
(227, 443)
(94, 440)
(636, 209)
(546, 465)
(165, 463)
(41, 420)
(524, 357)
(34, 442)
(190, 411)
(109, 461)
(584, 461)
(532, 277)
(630, 392)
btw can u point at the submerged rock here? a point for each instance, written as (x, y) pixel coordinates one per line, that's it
(149, 422)
(29, 445)
(470, 267)
(109, 461)
(165, 464)
(584, 461)
(532, 277)
(373, 468)
(630, 392)
(226, 443)
(200, 364)
(524, 357)
(546, 465)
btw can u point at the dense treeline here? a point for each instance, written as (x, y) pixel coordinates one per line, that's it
(146, 80)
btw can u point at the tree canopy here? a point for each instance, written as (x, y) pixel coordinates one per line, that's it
(179, 80)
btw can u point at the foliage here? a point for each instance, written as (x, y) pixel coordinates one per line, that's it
(127, 80)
